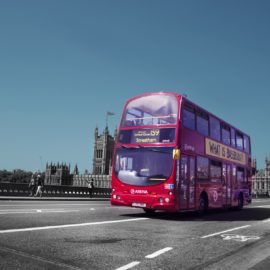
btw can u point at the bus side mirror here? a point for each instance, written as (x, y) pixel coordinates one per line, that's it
(176, 154)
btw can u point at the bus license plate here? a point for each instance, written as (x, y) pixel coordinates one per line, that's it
(139, 204)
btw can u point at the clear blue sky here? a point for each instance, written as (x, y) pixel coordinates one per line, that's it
(64, 63)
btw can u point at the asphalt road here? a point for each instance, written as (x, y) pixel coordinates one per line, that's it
(94, 235)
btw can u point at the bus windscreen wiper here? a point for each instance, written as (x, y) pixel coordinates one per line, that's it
(131, 147)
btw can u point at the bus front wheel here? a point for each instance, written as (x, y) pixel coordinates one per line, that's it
(149, 211)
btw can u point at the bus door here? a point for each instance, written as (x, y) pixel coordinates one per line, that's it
(187, 182)
(226, 184)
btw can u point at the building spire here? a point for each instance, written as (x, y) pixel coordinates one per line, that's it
(96, 131)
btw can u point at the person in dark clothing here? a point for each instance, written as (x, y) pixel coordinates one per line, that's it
(32, 186)
(39, 188)
(91, 187)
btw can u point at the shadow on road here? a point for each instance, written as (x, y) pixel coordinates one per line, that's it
(247, 214)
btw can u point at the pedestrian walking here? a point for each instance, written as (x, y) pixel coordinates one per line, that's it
(91, 187)
(32, 186)
(39, 188)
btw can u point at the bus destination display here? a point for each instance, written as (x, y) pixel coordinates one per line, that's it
(147, 136)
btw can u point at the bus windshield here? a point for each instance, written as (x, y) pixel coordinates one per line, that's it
(151, 110)
(145, 166)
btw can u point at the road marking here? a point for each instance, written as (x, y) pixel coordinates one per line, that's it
(262, 206)
(20, 210)
(36, 211)
(38, 258)
(55, 204)
(239, 238)
(150, 256)
(159, 252)
(128, 266)
(70, 225)
(230, 230)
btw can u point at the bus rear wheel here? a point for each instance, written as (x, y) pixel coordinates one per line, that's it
(203, 205)
(240, 203)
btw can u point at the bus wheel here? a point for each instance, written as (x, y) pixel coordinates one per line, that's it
(240, 203)
(149, 211)
(203, 205)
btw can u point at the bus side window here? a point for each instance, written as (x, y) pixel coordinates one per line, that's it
(215, 171)
(225, 134)
(240, 176)
(246, 144)
(189, 118)
(233, 137)
(184, 170)
(214, 128)
(202, 123)
(202, 168)
(234, 175)
(239, 141)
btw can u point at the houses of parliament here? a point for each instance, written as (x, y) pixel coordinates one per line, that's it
(61, 173)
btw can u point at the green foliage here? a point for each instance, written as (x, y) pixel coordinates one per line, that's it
(16, 176)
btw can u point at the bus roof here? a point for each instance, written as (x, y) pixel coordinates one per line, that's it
(183, 98)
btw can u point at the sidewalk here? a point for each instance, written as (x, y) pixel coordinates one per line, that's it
(25, 198)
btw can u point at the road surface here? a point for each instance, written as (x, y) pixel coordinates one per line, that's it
(94, 235)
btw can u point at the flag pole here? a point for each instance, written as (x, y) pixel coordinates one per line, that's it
(107, 114)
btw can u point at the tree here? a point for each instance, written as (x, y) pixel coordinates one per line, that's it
(17, 176)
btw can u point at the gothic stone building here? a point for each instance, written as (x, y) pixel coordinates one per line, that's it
(261, 180)
(103, 151)
(60, 174)
(57, 174)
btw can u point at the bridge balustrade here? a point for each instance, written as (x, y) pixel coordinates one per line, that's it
(14, 189)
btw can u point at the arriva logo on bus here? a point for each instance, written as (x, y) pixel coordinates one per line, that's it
(215, 149)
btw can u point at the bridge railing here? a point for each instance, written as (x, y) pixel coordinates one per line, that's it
(13, 189)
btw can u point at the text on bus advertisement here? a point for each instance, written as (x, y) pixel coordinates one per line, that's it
(219, 150)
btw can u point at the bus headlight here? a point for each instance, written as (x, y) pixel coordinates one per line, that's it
(167, 200)
(114, 196)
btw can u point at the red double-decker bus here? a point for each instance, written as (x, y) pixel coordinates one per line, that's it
(173, 155)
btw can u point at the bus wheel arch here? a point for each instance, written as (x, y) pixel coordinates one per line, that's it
(203, 203)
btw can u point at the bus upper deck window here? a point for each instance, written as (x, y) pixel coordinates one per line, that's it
(225, 134)
(246, 144)
(189, 118)
(214, 128)
(233, 137)
(239, 141)
(151, 110)
(203, 123)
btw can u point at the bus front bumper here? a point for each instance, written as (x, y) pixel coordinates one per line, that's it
(157, 202)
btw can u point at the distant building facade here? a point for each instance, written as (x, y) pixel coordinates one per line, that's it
(103, 151)
(261, 180)
(60, 174)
